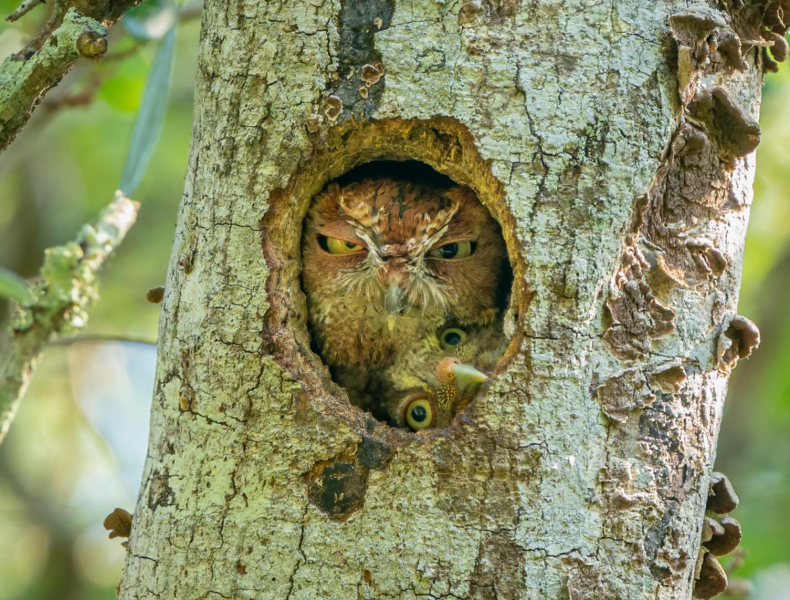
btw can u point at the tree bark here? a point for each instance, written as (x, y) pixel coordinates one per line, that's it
(614, 143)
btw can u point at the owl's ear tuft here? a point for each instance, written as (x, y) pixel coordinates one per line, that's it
(356, 208)
(331, 192)
(333, 188)
(328, 198)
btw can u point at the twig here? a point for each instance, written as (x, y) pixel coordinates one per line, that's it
(23, 84)
(68, 100)
(99, 338)
(104, 12)
(61, 299)
(23, 9)
(124, 54)
(70, 35)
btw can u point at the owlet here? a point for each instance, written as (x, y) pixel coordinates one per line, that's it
(430, 380)
(387, 261)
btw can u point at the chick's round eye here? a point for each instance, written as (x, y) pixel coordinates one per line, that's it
(452, 338)
(338, 246)
(419, 414)
(454, 250)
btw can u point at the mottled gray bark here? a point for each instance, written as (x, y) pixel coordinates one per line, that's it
(614, 143)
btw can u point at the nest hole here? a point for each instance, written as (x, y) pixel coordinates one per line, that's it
(405, 283)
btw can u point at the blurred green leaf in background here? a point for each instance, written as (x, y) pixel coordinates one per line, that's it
(75, 451)
(14, 287)
(151, 114)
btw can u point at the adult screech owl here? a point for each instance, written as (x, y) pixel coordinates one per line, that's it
(386, 261)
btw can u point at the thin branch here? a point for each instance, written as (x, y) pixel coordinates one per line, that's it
(23, 84)
(62, 297)
(124, 54)
(23, 9)
(71, 99)
(99, 338)
(71, 35)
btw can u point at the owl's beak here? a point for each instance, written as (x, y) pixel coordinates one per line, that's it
(394, 301)
(468, 380)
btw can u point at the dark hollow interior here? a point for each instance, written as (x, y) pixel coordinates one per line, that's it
(406, 170)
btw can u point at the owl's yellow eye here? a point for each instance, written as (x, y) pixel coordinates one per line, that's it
(451, 338)
(338, 246)
(454, 250)
(419, 414)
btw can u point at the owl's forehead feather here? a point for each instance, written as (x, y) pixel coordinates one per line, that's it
(388, 197)
(384, 214)
(396, 204)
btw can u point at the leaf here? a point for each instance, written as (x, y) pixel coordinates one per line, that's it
(123, 91)
(14, 287)
(150, 20)
(151, 115)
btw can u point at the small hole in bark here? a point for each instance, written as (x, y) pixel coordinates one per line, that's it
(403, 235)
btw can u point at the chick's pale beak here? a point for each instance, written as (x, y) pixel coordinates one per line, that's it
(468, 380)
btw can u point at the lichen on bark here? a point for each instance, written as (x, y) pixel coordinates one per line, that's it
(60, 300)
(603, 155)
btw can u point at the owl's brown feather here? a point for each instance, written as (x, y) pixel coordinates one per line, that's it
(365, 305)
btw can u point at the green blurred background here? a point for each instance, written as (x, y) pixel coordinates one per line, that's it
(74, 451)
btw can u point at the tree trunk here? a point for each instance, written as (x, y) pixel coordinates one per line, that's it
(614, 143)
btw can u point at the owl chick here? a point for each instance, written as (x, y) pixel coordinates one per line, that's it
(431, 380)
(386, 261)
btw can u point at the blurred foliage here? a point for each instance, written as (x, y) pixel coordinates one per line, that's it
(14, 287)
(75, 450)
(150, 20)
